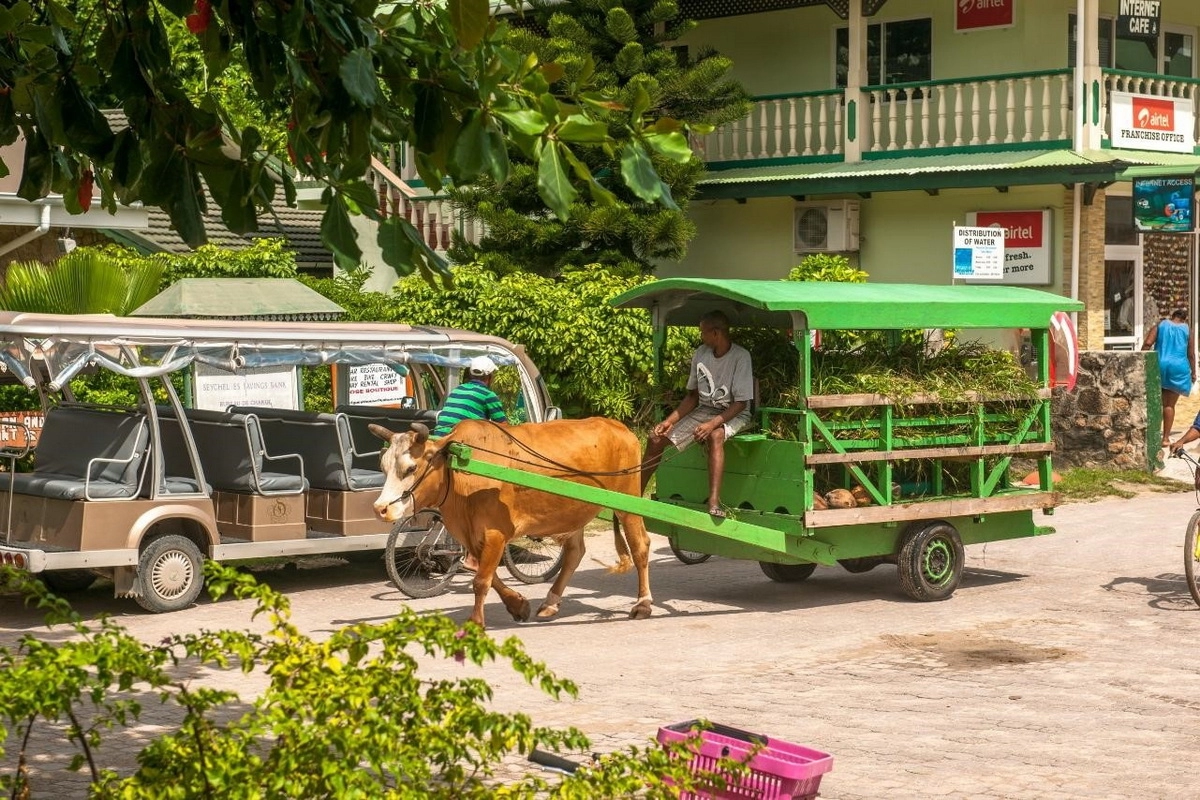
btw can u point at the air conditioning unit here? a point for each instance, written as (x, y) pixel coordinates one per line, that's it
(828, 227)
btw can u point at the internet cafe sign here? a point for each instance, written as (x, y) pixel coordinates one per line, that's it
(1138, 19)
(1027, 244)
(1146, 122)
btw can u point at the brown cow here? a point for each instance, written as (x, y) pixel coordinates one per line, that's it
(484, 515)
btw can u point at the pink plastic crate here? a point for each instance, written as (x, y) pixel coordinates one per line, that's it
(778, 771)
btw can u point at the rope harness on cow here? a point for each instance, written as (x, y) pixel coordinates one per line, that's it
(545, 459)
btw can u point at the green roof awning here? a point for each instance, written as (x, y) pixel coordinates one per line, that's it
(845, 306)
(240, 298)
(933, 172)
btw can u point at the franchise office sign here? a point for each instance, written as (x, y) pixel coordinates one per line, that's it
(971, 15)
(1147, 122)
(1027, 244)
(1138, 19)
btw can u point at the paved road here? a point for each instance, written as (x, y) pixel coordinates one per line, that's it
(1063, 668)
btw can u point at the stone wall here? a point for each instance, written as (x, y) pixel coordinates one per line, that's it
(1104, 421)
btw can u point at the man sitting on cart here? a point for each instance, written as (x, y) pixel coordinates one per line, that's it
(471, 399)
(720, 387)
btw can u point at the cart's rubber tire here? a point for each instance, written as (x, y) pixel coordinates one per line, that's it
(930, 561)
(424, 569)
(533, 560)
(170, 573)
(689, 556)
(68, 581)
(1191, 558)
(858, 566)
(787, 573)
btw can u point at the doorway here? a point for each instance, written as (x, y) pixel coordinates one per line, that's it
(1124, 304)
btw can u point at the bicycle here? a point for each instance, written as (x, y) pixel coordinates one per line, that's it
(422, 557)
(1191, 540)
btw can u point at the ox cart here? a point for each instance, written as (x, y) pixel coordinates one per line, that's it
(142, 493)
(929, 474)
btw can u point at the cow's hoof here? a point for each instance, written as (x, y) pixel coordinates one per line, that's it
(547, 612)
(523, 611)
(641, 609)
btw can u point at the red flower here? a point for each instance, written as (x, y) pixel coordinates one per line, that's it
(84, 195)
(198, 23)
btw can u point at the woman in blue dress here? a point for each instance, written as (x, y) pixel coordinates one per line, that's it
(1176, 362)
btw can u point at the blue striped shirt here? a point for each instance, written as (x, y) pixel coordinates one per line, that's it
(470, 400)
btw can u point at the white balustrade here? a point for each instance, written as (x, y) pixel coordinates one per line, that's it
(988, 112)
(434, 217)
(788, 126)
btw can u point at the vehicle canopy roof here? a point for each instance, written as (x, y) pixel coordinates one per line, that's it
(149, 346)
(817, 305)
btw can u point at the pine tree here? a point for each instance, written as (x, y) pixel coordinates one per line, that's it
(625, 45)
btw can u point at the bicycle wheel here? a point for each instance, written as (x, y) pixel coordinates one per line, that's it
(533, 560)
(1191, 558)
(421, 556)
(689, 556)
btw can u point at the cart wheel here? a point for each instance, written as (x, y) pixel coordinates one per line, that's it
(860, 565)
(66, 581)
(170, 574)
(533, 560)
(787, 573)
(1191, 556)
(421, 556)
(930, 561)
(689, 556)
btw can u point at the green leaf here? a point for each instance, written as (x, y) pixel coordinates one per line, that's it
(469, 157)
(526, 121)
(554, 185)
(470, 20)
(672, 145)
(357, 72)
(37, 170)
(641, 102)
(184, 209)
(338, 234)
(396, 246)
(638, 173)
(582, 130)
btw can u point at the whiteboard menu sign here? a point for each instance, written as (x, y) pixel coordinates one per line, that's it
(978, 253)
(272, 387)
(376, 385)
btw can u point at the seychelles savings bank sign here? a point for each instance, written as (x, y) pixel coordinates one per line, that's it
(1027, 247)
(1145, 122)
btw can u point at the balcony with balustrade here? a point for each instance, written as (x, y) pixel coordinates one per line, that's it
(992, 113)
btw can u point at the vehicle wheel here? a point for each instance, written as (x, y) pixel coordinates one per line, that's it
(787, 573)
(1191, 557)
(860, 565)
(169, 573)
(533, 560)
(689, 556)
(930, 561)
(65, 581)
(421, 556)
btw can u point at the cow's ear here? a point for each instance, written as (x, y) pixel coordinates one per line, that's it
(381, 432)
(420, 433)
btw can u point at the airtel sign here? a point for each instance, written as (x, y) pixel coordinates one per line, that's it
(971, 15)
(1027, 245)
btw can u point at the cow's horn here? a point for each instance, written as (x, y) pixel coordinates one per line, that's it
(421, 433)
(381, 432)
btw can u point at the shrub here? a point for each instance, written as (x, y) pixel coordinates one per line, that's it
(348, 716)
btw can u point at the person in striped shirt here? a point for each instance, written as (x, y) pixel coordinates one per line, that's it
(471, 399)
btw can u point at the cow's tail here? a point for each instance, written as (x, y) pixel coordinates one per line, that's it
(624, 559)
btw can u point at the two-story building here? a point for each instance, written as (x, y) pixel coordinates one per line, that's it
(879, 125)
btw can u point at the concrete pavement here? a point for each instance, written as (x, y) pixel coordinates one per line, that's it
(1062, 668)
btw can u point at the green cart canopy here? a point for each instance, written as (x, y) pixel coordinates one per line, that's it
(814, 305)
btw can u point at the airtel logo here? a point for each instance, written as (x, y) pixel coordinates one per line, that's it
(966, 6)
(1154, 116)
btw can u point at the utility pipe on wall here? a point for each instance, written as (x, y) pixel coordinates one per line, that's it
(25, 238)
